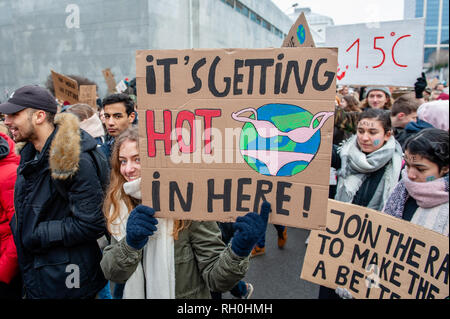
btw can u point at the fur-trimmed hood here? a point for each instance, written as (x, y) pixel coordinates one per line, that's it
(7, 150)
(66, 146)
(58, 219)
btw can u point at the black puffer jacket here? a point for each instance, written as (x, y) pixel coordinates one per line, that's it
(58, 219)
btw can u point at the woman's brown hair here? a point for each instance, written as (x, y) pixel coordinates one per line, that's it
(82, 111)
(387, 106)
(115, 193)
(352, 103)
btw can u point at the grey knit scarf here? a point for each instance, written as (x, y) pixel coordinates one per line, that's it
(356, 165)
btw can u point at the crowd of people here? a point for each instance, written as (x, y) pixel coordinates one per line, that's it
(70, 196)
(383, 152)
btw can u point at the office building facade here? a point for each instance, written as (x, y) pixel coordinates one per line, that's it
(84, 37)
(436, 13)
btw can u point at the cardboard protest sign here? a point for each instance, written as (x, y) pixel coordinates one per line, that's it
(384, 53)
(121, 86)
(300, 34)
(432, 83)
(88, 95)
(374, 255)
(223, 130)
(110, 81)
(66, 89)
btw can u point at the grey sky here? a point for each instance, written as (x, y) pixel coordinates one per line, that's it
(350, 11)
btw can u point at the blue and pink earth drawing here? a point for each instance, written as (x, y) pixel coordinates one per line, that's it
(285, 117)
(301, 34)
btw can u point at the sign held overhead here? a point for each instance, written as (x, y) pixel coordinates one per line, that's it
(66, 89)
(110, 81)
(384, 53)
(300, 34)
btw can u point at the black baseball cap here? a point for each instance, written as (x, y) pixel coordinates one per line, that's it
(30, 96)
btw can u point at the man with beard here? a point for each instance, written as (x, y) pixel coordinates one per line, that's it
(57, 199)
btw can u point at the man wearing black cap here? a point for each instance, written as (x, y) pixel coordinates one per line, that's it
(57, 199)
(27, 104)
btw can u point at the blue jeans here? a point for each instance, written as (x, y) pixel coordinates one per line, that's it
(118, 291)
(105, 293)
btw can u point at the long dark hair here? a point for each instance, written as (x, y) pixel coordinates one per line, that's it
(430, 143)
(352, 103)
(111, 205)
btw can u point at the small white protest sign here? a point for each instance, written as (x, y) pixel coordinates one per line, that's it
(384, 53)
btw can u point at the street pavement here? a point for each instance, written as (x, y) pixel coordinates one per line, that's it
(276, 274)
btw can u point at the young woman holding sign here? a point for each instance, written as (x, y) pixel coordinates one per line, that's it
(162, 258)
(422, 194)
(368, 167)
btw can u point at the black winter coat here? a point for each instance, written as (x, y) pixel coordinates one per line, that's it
(58, 216)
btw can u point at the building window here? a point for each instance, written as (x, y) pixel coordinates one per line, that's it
(445, 14)
(419, 8)
(429, 53)
(444, 35)
(242, 8)
(277, 32)
(432, 13)
(258, 19)
(431, 36)
(229, 2)
(266, 24)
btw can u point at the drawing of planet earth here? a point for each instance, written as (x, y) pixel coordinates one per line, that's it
(301, 34)
(285, 117)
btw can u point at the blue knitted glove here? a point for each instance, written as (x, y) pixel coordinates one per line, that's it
(140, 225)
(248, 229)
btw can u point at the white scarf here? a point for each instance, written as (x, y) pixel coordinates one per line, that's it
(93, 126)
(156, 280)
(356, 165)
(434, 218)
